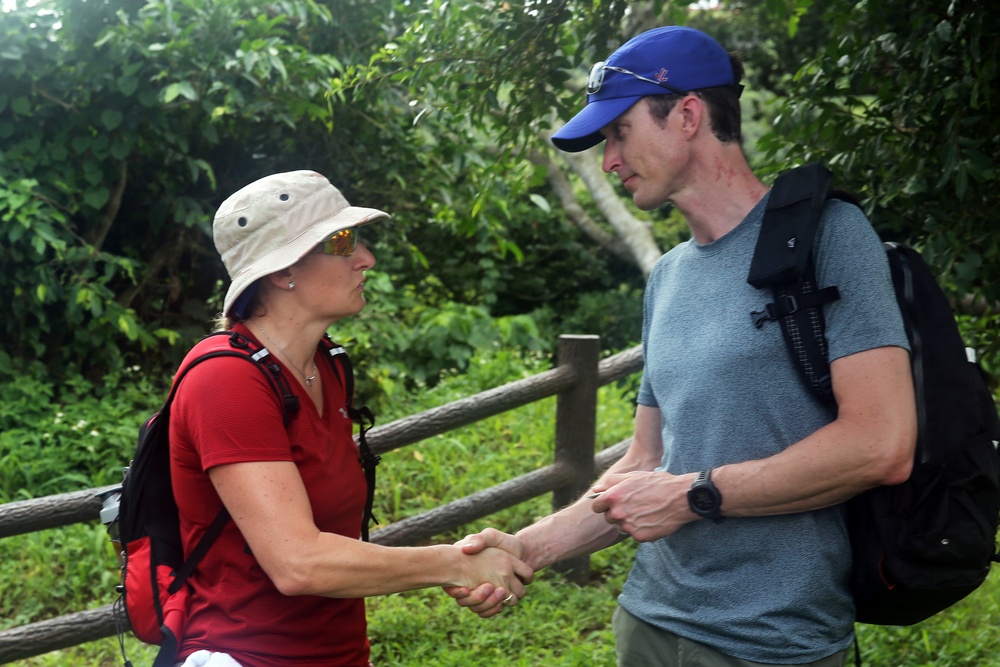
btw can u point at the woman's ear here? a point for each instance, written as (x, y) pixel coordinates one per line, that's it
(280, 279)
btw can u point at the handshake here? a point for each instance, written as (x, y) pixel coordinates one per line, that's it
(642, 505)
(500, 559)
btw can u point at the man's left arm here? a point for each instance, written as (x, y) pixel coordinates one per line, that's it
(870, 443)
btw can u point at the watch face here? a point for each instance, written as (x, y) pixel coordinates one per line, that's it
(703, 500)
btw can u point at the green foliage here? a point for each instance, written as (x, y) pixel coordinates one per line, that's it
(126, 122)
(613, 314)
(119, 121)
(982, 334)
(558, 623)
(399, 344)
(63, 284)
(902, 105)
(80, 440)
(963, 636)
(461, 462)
(38, 585)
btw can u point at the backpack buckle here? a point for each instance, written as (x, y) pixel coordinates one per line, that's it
(761, 316)
(772, 311)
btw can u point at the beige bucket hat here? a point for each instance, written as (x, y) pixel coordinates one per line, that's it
(272, 223)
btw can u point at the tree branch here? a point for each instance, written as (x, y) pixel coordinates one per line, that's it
(111, 208)
(636, 234)
(564, 190)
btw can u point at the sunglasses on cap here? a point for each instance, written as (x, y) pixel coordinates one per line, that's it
(341, 244)
(596, 78)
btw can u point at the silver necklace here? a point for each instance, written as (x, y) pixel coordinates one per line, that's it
(308, 378)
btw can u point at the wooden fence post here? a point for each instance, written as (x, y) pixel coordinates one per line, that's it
(576, 425)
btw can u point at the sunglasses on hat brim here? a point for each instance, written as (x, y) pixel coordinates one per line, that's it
(596, 78)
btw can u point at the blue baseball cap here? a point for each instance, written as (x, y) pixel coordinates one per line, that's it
(670, 59)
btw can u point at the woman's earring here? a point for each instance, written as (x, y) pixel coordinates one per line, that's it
(291, 284)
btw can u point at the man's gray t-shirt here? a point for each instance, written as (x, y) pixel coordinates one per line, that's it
(765, 589)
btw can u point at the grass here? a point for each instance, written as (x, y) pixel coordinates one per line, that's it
(557, 623)
(560, 623)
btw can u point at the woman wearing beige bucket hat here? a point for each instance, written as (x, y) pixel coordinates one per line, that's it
(285, 581)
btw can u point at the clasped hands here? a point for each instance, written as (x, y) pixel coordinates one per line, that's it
(503, 571)
(645, 505)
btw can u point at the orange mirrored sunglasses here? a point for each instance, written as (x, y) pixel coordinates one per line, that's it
(342, 243)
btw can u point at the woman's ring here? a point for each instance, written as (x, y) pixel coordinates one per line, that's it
(510, 600)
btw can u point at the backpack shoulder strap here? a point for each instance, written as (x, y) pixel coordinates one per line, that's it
(363, 416)
(791, 218)
(242, 347)
(289, 405)
(783, 261)
(261, 356)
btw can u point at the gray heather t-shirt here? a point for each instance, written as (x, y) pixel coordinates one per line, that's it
(765, 589)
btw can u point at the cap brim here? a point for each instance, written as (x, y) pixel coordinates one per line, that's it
(583, 131)
(282, 258)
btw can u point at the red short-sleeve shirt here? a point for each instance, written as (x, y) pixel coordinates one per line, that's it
(226, 412)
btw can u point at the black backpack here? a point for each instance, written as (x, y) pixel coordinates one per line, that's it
(920, 546)
(153, 591)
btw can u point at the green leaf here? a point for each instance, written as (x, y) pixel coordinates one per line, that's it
(97, 198)
(21, 105)
(81, 144)
(121, 149)
(127, 327)
(541, 202)
(127, 85)
(92, 171)
(179, 89)
(111, 118)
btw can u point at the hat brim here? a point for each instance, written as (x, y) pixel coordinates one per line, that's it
(283, 257)
(583, 131)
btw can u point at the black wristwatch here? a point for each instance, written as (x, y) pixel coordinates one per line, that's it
(704, 499)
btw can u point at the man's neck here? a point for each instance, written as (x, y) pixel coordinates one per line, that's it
(721, 195)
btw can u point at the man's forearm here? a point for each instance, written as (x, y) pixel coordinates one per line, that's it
(573, 531)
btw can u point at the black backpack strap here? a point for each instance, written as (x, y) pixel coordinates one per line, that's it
(289, 406)
(784, 245)
(783, 261)
(200, 549)
(365, 419)
(262, 357)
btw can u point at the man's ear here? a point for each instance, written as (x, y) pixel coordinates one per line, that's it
(693, 115)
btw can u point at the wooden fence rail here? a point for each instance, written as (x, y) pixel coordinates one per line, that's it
(574, 382)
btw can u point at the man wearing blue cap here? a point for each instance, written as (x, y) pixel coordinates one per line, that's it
(735, 474)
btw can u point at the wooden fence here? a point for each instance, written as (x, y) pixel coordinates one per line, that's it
(574, 381)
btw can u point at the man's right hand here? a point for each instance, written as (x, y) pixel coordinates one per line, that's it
(485, 600)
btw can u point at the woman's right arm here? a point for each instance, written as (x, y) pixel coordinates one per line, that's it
(268, 502)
